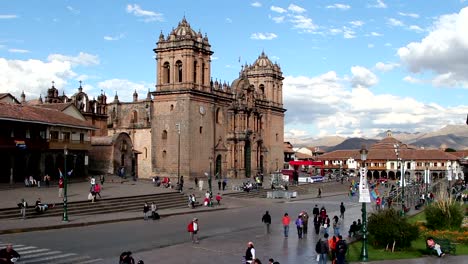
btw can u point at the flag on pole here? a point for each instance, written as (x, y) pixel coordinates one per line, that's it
(60, 173)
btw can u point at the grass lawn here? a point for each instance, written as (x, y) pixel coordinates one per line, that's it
(416, 251)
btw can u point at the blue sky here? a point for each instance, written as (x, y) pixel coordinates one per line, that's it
(351, 68)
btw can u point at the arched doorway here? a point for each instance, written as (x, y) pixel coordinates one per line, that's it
(218, 171)
(391, 175)
(247, 159)
(383, 174)
(261, 164)
(376, 175)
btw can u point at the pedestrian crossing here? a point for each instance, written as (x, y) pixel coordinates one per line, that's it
(37, 255)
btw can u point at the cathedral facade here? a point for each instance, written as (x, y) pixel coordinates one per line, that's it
(200, 127)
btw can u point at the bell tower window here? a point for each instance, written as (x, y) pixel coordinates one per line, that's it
(166, 72)
(195, 71)
(179, 71)
(203, 74)
(262, 89)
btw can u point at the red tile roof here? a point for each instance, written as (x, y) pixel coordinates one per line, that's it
(57, 106)
(34, 114)
(389, 154)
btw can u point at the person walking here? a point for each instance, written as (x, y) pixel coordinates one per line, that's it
(341, 249)
(224, 184)
(60, 185)
(286, 220)
(218, 198)
(332, 246)
(299, 226)
(97, 190)
(193, 228)
(145, 211)
(315, 211)
(250, 253)
(23, 205)
(219, 184)
(154, 214)
(336, 225)
(342, 210)
(8, 254)
(266, 219)
(181, 184)
(305, 222)
(326, 224)
(323, 249)
(317, 224)
(196, 182)
(319, 195)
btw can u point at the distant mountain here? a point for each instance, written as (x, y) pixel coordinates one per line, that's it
(443, 142)
(354, 143)
(322, 142)
(450, 136)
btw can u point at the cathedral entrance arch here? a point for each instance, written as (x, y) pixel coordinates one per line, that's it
(247, 159)
(218, 172)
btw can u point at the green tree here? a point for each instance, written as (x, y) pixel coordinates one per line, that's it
(444, 214)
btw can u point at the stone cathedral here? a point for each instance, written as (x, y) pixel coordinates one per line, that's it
(191, 125)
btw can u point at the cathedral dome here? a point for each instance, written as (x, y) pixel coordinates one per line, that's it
(263, 61)
(184, 30)
(240, 83)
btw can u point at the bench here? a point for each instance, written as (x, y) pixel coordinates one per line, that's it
(446, 246)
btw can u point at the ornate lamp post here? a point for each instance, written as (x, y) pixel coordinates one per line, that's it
(364, 198)
(449, 178)
(65, 183)
(178, 152)
(427, 178)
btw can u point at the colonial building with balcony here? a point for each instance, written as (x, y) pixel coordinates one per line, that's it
(33, 141)
(386, 157)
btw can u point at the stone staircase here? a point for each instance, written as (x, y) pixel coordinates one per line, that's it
(103, 206)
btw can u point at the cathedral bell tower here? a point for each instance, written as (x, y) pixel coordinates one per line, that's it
(183, 60)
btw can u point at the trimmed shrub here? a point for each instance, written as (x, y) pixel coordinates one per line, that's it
(387, 226)
(444, 214)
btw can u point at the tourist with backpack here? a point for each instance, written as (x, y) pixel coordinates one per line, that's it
(341, 249)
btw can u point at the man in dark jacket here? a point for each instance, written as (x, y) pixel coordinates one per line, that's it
(266, 219)
(7, 254)
(341, 248)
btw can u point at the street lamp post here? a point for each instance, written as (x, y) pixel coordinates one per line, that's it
(364, 252)
(426, 180)
(65, 183)
(449, 178)
(402, 177)
(178, 152)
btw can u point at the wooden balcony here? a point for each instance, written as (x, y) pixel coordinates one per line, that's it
(70, 144)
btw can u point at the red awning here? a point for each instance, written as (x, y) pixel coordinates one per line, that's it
(306, 162)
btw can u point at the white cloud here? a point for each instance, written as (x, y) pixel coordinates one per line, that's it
(228, 20)
(263, 36)
(304, 23)
(256, 4)
(388, 44)
(116, 37)
(81, 59)
(278, 9)
(18, 51)
(279, 19)
(147, 16)
(413, 80)
(384, 67)
(443, 51)
(395, 22)
(33, 76)
(296, 9)
(357, 23)
(363, 77)
(124, 88)
(376, 34)
(415, 28)
(324, 104)
(379, 4)
(73, 10)
(370, 45)
(8, 16)
(348, 33)
(339, 6)
(413, 15)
